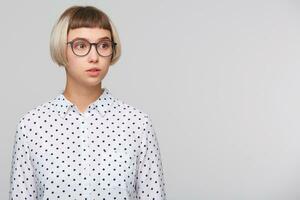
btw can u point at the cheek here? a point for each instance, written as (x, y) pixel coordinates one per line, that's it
(106, 61)
(73, 61)
(105, 66)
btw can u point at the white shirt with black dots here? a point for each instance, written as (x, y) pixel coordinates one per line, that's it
(109, 152)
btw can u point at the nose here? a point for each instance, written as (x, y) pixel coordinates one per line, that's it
(93, 55)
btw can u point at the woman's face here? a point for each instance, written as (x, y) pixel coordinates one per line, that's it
(78, 66)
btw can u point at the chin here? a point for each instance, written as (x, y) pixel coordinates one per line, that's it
(91, 83)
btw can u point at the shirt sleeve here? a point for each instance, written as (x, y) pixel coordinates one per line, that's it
(22, 182)
(150, 177)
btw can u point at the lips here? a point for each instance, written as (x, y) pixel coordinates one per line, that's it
(93, 69)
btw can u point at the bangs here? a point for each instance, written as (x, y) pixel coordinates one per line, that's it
(89, 17)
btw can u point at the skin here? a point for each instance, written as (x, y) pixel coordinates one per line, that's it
(82, 89)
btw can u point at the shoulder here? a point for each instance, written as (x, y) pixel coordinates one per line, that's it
(44, 108)
(134, 117)
(126, 109)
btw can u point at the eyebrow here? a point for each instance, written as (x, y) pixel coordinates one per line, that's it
(101, 38)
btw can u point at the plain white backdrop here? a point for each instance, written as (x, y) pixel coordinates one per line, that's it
(220, 80)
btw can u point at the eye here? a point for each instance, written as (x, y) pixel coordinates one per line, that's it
(80, 45)
(104, 45)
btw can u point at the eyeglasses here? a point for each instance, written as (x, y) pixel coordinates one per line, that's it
(81, 47)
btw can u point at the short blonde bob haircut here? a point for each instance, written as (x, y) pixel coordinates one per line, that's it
(77, 17)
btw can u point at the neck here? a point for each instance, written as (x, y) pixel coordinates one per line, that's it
(80, 95)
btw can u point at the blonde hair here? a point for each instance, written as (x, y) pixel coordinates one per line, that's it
(77, 17)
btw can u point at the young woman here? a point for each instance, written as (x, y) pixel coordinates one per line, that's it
(85, 143)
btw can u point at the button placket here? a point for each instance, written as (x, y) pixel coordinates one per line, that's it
(86, 150)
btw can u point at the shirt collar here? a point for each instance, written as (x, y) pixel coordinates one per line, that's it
(63, 105)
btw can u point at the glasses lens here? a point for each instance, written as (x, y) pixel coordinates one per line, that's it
(105, 48)
(81, 47)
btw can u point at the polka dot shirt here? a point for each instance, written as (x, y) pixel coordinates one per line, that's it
(108, 152)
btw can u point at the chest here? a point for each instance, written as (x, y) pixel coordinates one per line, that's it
(103, 151)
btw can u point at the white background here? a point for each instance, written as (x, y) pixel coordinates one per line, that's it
(220, 80)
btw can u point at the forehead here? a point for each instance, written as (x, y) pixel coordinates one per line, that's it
(92, 34)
